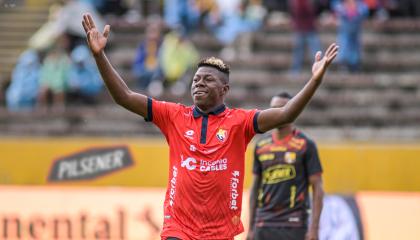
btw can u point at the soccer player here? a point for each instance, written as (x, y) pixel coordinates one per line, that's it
(286, 162)
(207, 141)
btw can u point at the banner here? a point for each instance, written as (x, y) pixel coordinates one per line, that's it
(143, 162)
(80, 213)
(47, 213)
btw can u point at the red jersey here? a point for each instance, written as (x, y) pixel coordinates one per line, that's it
(206, 168)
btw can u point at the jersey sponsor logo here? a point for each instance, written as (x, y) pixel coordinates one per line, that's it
(264, 142)
(221, 134)
(234, 193)
(191, 163)
(172, 191)
(266, 157)
(189, 134)
(290, 157)
(278, 173)
(188, 163)
(278, 149)
(211, 166)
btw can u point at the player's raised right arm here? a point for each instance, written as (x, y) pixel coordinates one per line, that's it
(119, 91)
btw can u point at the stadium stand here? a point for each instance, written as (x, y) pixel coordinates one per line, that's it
(17, 25)
(380, 102)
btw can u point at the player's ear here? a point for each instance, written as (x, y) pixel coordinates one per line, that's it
(225, 89)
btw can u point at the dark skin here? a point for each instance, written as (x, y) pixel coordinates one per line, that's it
(211, 83)
(315, 182)
(209, 88)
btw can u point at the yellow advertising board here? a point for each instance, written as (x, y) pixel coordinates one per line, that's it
(29, 161)
(143, 162)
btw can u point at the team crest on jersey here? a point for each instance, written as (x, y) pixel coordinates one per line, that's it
(290, 157)
(221, 134)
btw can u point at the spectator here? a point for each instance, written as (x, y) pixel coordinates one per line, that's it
(23, 90)
(181, 13)
(178, 55)
(84, 80)
(146, 64)
(351, 14)
(54, 75)
(303, 15)
(232, 22)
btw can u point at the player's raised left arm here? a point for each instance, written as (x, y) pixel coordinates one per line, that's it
(273, 117)
(116, 86)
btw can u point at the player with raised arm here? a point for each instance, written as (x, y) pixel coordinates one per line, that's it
(207, 141)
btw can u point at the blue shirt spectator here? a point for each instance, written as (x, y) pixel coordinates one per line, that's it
(181, 13)
(351, 14)
(23, 90)
(84, 77)
(146, 66)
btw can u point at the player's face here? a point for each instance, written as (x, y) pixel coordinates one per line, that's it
(208, 90)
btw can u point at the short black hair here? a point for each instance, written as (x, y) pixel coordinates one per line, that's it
(284, 95)
(214, 63)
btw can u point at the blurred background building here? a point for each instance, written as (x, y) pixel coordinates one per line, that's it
(53, 106)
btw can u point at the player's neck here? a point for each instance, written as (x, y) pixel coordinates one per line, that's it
(206, 110)
(283, 132)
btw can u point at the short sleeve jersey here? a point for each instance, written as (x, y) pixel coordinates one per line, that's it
(206, 168)
(284, 167)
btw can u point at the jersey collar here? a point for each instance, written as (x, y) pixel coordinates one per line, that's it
(284, 139)
(198, 113)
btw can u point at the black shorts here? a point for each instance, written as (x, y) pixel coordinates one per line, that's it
(279, 233)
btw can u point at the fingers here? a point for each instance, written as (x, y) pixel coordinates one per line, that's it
(318, 56)
(333, 53)
(330, 58)
(106, 31)
(86, 22)
(331, 49)
(91, 22)
(85, 26)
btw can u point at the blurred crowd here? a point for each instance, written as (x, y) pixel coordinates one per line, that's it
(57, 69)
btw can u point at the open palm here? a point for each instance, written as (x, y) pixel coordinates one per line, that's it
(96, 40)
(321, 64)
